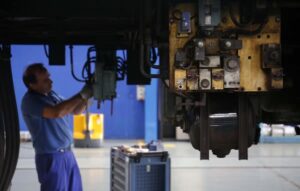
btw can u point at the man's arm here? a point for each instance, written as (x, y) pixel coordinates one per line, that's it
(80, 107)
(70, 105)
(63, 108)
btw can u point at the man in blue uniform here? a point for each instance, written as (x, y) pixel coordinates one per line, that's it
(45, 114)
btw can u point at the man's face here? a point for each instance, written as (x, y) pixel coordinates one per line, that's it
(43, 82)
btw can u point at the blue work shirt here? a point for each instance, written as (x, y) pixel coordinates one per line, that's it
(48, 135)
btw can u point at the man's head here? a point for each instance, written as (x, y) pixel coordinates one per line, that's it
(37, 78)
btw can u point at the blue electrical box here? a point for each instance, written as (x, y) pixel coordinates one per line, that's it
(136, 171)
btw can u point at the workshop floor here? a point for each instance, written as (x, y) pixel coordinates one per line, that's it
(271, 167)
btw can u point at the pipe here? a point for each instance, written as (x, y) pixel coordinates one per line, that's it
(9, 120)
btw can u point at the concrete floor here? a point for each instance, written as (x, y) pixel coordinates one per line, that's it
(271, 167)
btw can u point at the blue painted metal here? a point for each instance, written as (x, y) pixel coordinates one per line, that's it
(144, 171)
(151, 105)
(284, 139)
(142, 180)
(127, 121)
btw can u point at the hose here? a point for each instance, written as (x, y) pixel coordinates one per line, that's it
(9, 121)
(72, 65)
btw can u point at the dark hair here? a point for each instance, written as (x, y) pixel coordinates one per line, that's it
(29, 75)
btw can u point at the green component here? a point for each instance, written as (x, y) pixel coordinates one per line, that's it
(105, 78)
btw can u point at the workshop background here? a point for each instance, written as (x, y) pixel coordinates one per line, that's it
(135, 118)
(127, 123)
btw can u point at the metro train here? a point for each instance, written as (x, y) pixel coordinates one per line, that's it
(225, 64)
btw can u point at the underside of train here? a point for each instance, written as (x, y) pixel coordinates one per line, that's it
(225, 65)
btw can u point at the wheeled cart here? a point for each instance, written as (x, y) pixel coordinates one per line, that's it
(139, 171)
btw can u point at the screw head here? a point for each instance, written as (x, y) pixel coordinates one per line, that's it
(232, 64)
(204, 83)
(228, 44)
(200, 44)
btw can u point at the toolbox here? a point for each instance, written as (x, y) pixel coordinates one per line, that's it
(139, 169)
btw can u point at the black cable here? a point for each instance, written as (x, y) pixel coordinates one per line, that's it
(248, 32)
(174, 16)
(235, 21)
(90, 49)
(243, 31)
(9, 120)
(14, 125)
(121, 68)
(174, 91)
(153, 55)
(46, 51)
(7, 149)
(150, 52)
(124, 55)
(87, 70)
(142, 57)
(2, 137)
(177, 12)
(72, 65)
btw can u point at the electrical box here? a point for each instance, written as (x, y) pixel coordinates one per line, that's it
(105, 78)
(139, 170)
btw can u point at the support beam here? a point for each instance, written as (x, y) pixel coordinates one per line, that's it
(243, 125)
(9, 120)
(204, 129)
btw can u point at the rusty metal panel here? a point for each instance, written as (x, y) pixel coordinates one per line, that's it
(180, 79)
(174, 41)
(211, 62)
(205, 79)
(217, 79)
(192, 79)
(212, 46)
(276, 78)
(252, 75)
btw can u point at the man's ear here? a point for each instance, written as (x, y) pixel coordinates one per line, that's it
(32, 86)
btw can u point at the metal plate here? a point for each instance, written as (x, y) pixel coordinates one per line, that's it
(211, 62)
(180, 79)
(231, 72)
(217, 79)
(205, 79)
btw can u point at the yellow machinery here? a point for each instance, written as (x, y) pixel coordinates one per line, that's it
(88, 130)
(223, 57)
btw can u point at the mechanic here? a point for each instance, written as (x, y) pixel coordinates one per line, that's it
(46, 116)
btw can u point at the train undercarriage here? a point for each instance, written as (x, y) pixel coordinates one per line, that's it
(225, 65)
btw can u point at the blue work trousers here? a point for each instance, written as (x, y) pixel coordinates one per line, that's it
(58, 172)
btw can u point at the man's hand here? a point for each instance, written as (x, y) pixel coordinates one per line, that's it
(76, 104)
(86, 92)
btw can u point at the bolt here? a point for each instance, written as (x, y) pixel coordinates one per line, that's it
(208, 33)
(200, 44)
(232, 64)
(224, 20)
(274, 55)
(205, 83)
(228, 44)
(206, 61)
